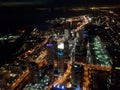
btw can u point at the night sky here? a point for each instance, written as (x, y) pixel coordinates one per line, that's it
(26, 14)
(62, 2)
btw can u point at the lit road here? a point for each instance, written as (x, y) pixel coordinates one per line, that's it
(86, 79)
(62, 79)
(86, 74)
(86, 82)
(40, 61)
(85, 22)
(41, 58)
(95, 67)
(19, 80)
(35, 49)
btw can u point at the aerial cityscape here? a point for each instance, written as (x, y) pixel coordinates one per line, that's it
(75, 48)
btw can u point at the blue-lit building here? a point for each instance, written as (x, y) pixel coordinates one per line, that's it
(58, 87)
(62, 87)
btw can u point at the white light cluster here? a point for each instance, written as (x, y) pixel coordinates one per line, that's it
(60, 45)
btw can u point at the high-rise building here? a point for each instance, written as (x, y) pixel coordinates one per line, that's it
(77, 74)
(61, 55)
(66, 34)
(34, 72)
(60, 60)
(115, 78)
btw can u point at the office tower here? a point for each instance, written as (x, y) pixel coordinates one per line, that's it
(34, 72)
(115, 77)
(60, 56)
(77, 74)
(66, 34)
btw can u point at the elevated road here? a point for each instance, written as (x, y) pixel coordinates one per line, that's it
(40, 61)
(62, 78)
(95, 67)
(19, 80)
(86, 72)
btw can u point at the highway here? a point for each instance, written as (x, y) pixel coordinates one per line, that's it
(85, 22)
(95, 67)
(19, 80)
(62, 78)
(40, 61)
(34, 50)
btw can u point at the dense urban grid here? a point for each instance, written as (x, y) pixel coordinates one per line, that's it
(78, 52)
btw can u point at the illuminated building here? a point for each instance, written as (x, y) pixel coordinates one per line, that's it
(34, 72)
(77, 74)
(115, 78)
(60, 53)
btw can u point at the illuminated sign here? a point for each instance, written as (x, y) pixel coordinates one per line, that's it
(49, 45)
(117, 68)
(60, 53)
(58, 87)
